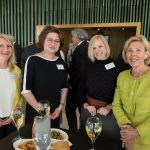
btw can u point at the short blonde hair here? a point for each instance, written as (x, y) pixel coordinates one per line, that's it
(138, 38)
(12, 59)
(90, 48)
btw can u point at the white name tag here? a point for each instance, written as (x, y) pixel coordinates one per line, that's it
(60, 67)
(109, 66)
(13, 75)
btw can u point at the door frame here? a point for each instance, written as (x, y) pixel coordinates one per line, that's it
(137, 25)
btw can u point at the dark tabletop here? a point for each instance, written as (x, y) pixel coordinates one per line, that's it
(79, 140)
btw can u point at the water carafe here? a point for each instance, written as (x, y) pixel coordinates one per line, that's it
(41, 133)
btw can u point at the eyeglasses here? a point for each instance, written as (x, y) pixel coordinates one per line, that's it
(52, 40)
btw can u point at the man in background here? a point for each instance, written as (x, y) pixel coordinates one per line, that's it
(76, 70)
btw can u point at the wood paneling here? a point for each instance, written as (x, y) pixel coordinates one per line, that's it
(118, 33)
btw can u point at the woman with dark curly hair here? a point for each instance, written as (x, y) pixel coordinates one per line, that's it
(45, 76)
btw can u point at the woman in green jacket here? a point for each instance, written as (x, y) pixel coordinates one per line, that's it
(131, 105)
(10, 79)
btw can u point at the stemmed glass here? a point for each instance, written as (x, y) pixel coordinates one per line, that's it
(44, 107)
(93, 129)
(17, 117)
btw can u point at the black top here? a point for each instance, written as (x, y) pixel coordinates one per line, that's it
(78, 63)
(31, 50)
(28, 51)
(99, 80)
(18, 52)
(121, 63)
(45, 78)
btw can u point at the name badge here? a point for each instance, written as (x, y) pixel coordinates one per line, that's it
(109, 66)
(13, 76)
(60, 67)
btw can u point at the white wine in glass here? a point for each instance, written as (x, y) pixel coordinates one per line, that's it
(93, 129)
(44, 107)
(17, 117)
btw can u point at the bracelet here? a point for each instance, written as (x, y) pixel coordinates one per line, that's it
(61, 104)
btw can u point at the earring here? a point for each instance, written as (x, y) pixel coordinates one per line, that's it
(146, 57)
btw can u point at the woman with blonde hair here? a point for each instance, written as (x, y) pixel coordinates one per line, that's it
(97, 88)
(10, 76)
(131, 105)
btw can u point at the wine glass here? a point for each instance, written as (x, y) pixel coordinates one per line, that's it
(93, 129)
(44, 107)
(41, 132)
(17, 117)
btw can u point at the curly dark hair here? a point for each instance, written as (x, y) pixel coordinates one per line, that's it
(45, 32)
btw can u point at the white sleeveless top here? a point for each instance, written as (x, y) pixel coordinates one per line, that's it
(7, 90)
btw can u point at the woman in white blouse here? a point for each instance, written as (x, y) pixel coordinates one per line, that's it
(10, 77)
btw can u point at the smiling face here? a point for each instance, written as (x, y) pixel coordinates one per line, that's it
(5, 50)
(52, 43)
(136, 54)
(99, 50)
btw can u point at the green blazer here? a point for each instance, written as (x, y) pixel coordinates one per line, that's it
(15, 74)
(132, 105)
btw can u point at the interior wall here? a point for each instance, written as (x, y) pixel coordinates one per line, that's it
(117, 39)
(115, 33)
(20, 17)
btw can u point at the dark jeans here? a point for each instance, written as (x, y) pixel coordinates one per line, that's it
(110, 128)
(6, 130)
(71, 105)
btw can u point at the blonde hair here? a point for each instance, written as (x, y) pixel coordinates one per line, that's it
(138, 38)
(90, 48)
(12, 59)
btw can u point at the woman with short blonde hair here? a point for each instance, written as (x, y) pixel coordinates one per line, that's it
(131, 105)
(90, 50)
(98, 86)
(141, 39)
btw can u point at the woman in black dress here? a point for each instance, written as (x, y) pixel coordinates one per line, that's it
(45, 77)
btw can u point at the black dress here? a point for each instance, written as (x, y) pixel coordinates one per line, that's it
(44, 78)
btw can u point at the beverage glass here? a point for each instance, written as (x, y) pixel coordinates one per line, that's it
(93, 129)
(44, 107)
(41, 132)
(17, 117)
